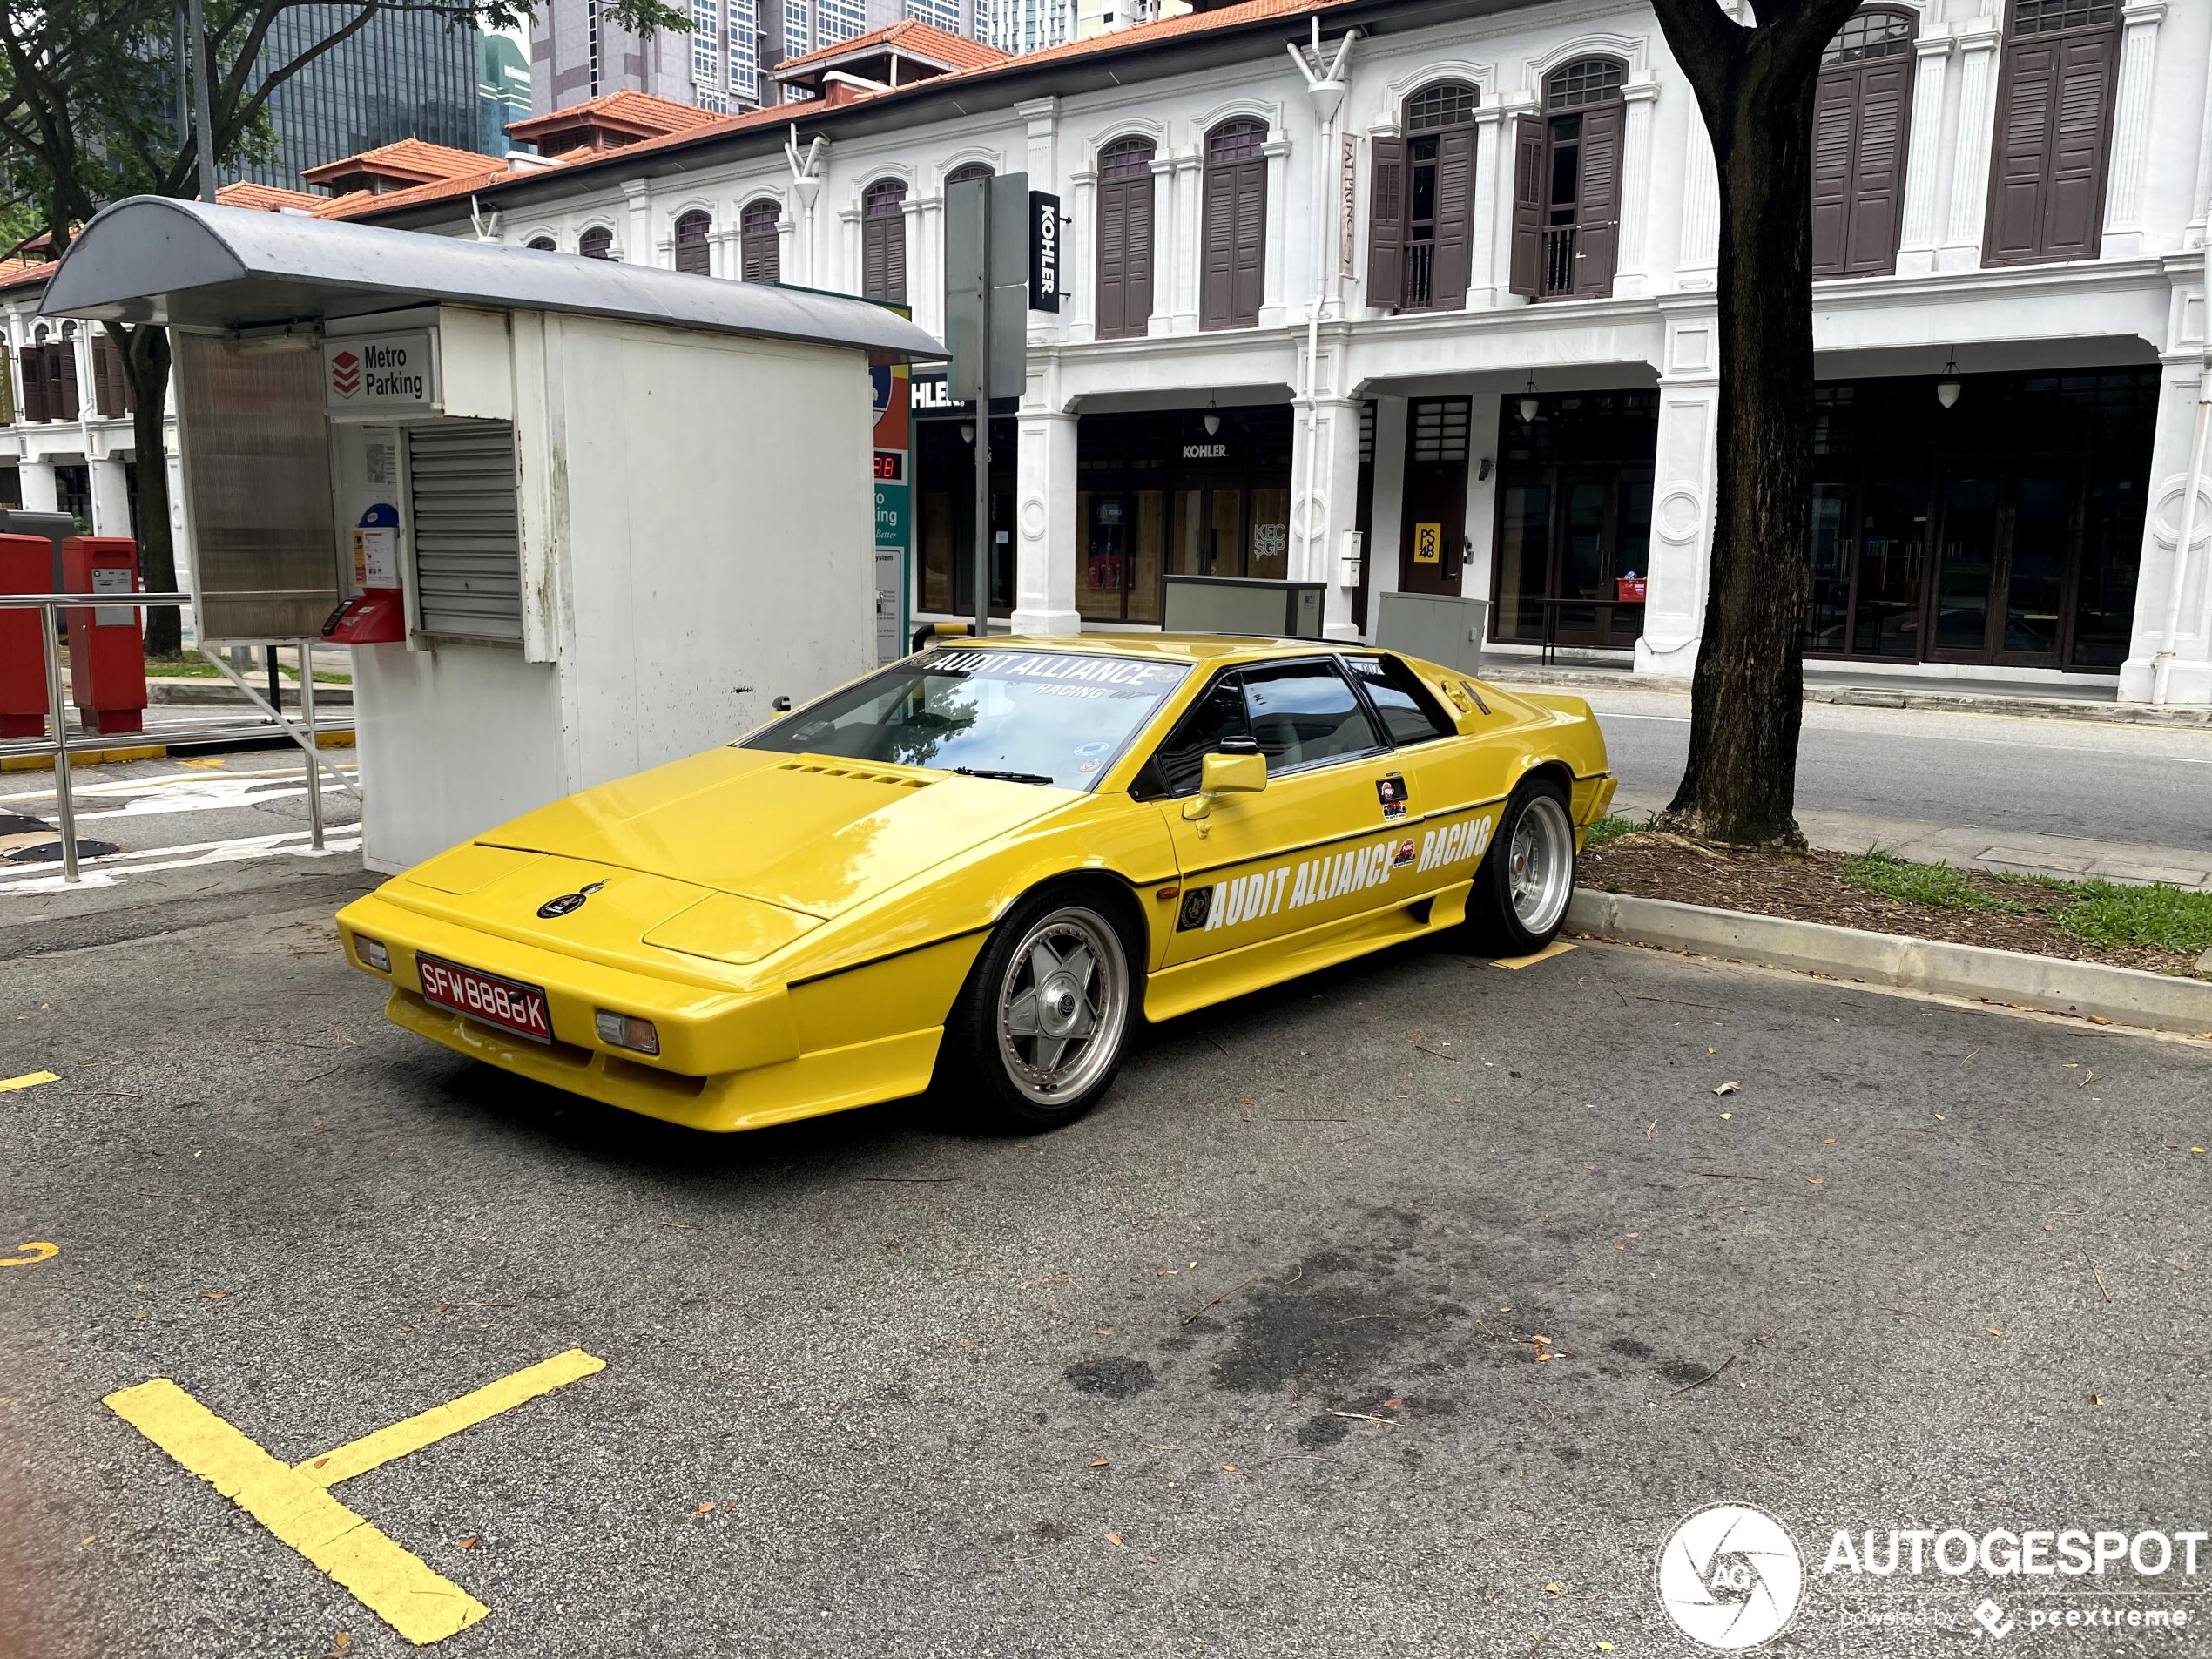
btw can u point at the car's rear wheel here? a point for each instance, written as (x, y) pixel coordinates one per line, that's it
(1040, 1027)
(1523, 887)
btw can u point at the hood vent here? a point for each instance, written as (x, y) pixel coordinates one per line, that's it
(864, 774)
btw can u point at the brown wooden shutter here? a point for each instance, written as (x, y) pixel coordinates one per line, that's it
(2074, 221)
(762, 257)
(2019, 180)
(1251, 240)
(1878, 167)
(1455, 217)
(1137, 273)
(1597, 213)
(692, 252)
(62, 379)
(1527, 204)
(7, 386)
(108, 380)
(1835, 124)
(35, 404)
(1217, 240)
(873, 253)
(1386, 225)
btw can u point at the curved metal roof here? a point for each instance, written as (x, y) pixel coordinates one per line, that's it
(155, 258)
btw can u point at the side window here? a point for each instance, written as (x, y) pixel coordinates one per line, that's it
(1304, 713)
(1217, 715)
(1409, 713)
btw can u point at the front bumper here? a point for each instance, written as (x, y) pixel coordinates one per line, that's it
(729, 1059)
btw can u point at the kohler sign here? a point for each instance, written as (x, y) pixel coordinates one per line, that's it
(381, 375)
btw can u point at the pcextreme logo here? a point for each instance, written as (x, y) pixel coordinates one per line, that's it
(1730, 1577)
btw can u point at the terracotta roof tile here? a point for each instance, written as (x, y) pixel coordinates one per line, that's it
(639, 109)
(270, 197)
(407, 156)
(923, 39)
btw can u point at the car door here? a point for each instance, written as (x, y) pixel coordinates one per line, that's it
(1455, 784)
(1315, 846)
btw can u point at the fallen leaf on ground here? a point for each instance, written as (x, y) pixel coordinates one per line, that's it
(2096, 1399)
(468, 1543)
(702, 1509)
(1727, 1089)
(1102, 1463)
(1816, 1180)
(1114, 1539)
(1992, 1331)
(1551, 1589)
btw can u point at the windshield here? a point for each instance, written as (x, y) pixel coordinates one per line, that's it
(1037, 716)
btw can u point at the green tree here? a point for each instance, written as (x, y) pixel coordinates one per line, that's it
(91, 112)
(1755, 86)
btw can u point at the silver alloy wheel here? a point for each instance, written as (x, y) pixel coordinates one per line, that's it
(1062, 1006)
(1541, 864)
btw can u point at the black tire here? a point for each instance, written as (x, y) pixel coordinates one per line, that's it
(1008, 1079)
(1526, 879)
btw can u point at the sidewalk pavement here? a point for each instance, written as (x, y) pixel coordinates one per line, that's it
(2015, 850)
(2088, 700)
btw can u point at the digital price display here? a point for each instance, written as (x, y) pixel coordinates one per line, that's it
(891, 466)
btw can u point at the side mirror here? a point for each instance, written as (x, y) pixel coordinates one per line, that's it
(1242, 773)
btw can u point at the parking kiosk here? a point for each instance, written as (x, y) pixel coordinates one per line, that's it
(574, 518)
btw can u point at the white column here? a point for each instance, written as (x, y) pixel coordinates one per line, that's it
(110, 498)
(1189, 255)
(1631, 275)
(1916, 239)
(842, 272)
(919, 286)
(1682, 488)
(1976, 131)
(1481, 515)
(2190, 679)
(1044, 525)
(1079, 259)
(1325, 493)
(2123, 234)
(793, 258)
(1697, 262)
(1492, 168)
(2200, 200)
(1383, 524)
(636, 234)
(41, 491)
(1272, 312)
(1167, 249)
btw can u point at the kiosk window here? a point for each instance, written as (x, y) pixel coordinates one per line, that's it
(467, 534)
(1408, 713)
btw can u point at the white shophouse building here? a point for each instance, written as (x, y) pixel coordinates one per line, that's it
(1450, 326)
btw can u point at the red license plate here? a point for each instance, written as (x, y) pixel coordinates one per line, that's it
(503, 1004)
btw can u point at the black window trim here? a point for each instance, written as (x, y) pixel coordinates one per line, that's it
(1375, 653)
(1150, 784)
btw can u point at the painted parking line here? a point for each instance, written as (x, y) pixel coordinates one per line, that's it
(294, 1503)
(1557, 947)
(111, 869)
(37, 1252)
(29, 1080)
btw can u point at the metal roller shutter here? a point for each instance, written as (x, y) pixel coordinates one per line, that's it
(467, 536)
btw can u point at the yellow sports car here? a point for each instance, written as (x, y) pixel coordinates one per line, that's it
(979, 867)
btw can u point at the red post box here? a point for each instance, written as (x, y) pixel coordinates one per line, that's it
(26, 566)
(107, 659)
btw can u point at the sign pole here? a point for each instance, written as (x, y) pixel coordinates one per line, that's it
(983, 439)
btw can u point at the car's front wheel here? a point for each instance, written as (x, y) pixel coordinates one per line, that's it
(1039, 1029)
(1525, 882)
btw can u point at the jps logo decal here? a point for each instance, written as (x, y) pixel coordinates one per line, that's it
(1196, 903)
(563, 905)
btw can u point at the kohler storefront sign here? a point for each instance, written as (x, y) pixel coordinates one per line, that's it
(381, 375)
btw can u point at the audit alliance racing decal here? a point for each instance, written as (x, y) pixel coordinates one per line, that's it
(1311, 881)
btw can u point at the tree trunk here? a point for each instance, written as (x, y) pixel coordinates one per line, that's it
(145, 357)
(1747, 700)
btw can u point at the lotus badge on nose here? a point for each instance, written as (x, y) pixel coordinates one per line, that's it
(568, 902)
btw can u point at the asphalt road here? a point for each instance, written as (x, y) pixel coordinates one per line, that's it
(876, 1387)
(2104, 782)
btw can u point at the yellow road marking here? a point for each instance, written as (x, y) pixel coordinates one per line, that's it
(40, 1253)
(29, 1080)
(392, 1583)
(294, 1503)
(425, 1428)
(1557, 947)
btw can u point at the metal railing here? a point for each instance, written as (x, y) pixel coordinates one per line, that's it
(1421, 273)
(1559, 258)
(60, 743)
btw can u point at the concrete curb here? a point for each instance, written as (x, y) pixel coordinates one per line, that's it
(2048, 984)
(1510, 673)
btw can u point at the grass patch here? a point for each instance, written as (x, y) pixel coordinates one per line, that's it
(196, 667)
(2107, 913)
(1938, 885)
(1612, 826)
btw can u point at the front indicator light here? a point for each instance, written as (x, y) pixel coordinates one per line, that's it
(371, 953)
(627, 1031)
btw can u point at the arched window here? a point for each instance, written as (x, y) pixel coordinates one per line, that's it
(970, 172)
(1124, 238)
(597, 243)
(2056, 84)
(1862, 113)
(692, 252)
(760, 249)
(542, 244)
(1233, 240)
(1420, 232)
(883, 241)
(1567, 184)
